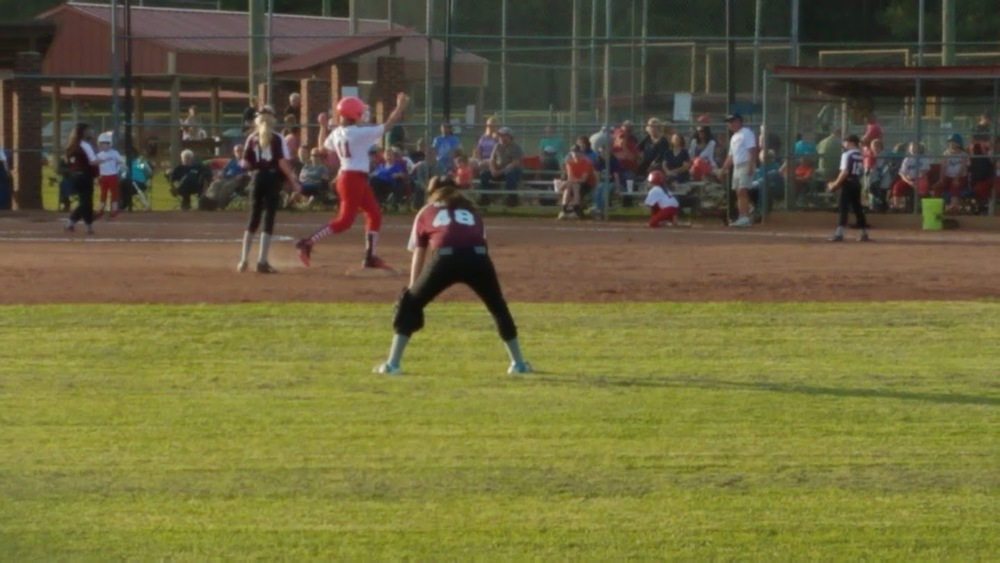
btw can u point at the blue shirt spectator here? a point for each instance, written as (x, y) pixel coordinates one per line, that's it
(444, 146)
(388, 171)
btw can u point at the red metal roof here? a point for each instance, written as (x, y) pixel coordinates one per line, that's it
(337, 49)
(95, 93)
(897, 81)
(225, 32)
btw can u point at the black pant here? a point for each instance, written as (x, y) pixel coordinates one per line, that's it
(850, 199)
(83, 186)
(443, 271)
(265, 197)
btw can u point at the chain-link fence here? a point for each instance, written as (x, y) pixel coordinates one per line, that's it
(556, 69)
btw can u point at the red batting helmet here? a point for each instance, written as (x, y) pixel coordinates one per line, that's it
(656, 178)
(351, 107)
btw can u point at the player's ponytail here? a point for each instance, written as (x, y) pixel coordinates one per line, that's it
(445, 190)
(265, 129)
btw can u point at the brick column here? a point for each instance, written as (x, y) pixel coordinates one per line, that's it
(390, 78)
(27, 112)
(342, 74)
(315, 100)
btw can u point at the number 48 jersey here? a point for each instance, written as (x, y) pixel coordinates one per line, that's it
(436, 226)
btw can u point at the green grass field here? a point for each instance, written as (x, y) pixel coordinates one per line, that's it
(650, 431)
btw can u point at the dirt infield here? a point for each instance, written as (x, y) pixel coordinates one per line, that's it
(174, 257)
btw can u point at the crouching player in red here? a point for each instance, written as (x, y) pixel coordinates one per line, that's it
(351, 141)
(451, 230)
(663, 206)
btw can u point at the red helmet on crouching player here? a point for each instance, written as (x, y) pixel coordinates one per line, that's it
(656, 178)
(351, 107)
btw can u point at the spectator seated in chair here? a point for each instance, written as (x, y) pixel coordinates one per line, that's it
(231, 181)
(389, 177)
(768, 178)
(579, 180)
(912, 178)
(676, 161)
(137, 182)
(550, 160)
(504, 166)
(954, 174)
(315, 180)
(188, 179)
(604, 190)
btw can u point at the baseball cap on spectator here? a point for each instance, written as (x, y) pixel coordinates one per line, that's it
(373, 149)
(506, 131)
(734, 117)
(955, 138)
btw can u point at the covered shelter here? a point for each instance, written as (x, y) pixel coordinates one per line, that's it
(913, 86)
(23, 44)
(193, 54)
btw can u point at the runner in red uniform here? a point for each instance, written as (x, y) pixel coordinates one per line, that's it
(351, 142)
(452, 230)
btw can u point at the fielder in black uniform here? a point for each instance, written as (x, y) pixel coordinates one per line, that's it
(452, 230)
(81, 161)
(852, 168)
(267, 155)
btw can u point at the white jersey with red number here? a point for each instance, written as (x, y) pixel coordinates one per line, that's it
(351, 143)
(661, 198)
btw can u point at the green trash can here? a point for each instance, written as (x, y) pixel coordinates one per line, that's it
(933, 210)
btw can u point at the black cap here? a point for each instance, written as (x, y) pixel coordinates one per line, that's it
(733, 117)
(853, 139)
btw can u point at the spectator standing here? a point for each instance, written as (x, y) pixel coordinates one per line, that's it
(445, 145)
(873, 130)
(742, 162)
(504, 165)
(294, 109)
(848, 181)
(448, 241)
(981, 174)
(81, 163)
(268, 156)
(652, 147)
(983, 130)
(829, 151)
(353, 190)
(110, 174)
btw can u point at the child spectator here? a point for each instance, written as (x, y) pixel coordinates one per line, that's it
(663, 206)
(110, 161)
(315, 179)
(463, 172)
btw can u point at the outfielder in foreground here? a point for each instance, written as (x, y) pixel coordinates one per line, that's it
(351, 141)
(451, 229)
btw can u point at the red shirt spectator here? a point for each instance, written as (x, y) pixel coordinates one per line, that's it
(873, 130)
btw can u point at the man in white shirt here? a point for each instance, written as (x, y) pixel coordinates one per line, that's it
(742, 160)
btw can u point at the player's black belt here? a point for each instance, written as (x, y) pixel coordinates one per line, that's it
(450, 250)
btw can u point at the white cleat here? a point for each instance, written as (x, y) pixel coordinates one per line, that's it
(242, 266)
(388, 369)
(515, 368)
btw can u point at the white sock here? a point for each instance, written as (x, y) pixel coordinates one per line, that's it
(265, 246)
(247, 241)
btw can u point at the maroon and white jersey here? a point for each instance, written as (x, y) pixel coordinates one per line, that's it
(436, 226)
(265, 158)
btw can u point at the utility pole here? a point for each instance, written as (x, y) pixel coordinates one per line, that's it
(256, 17)
(449, 23)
